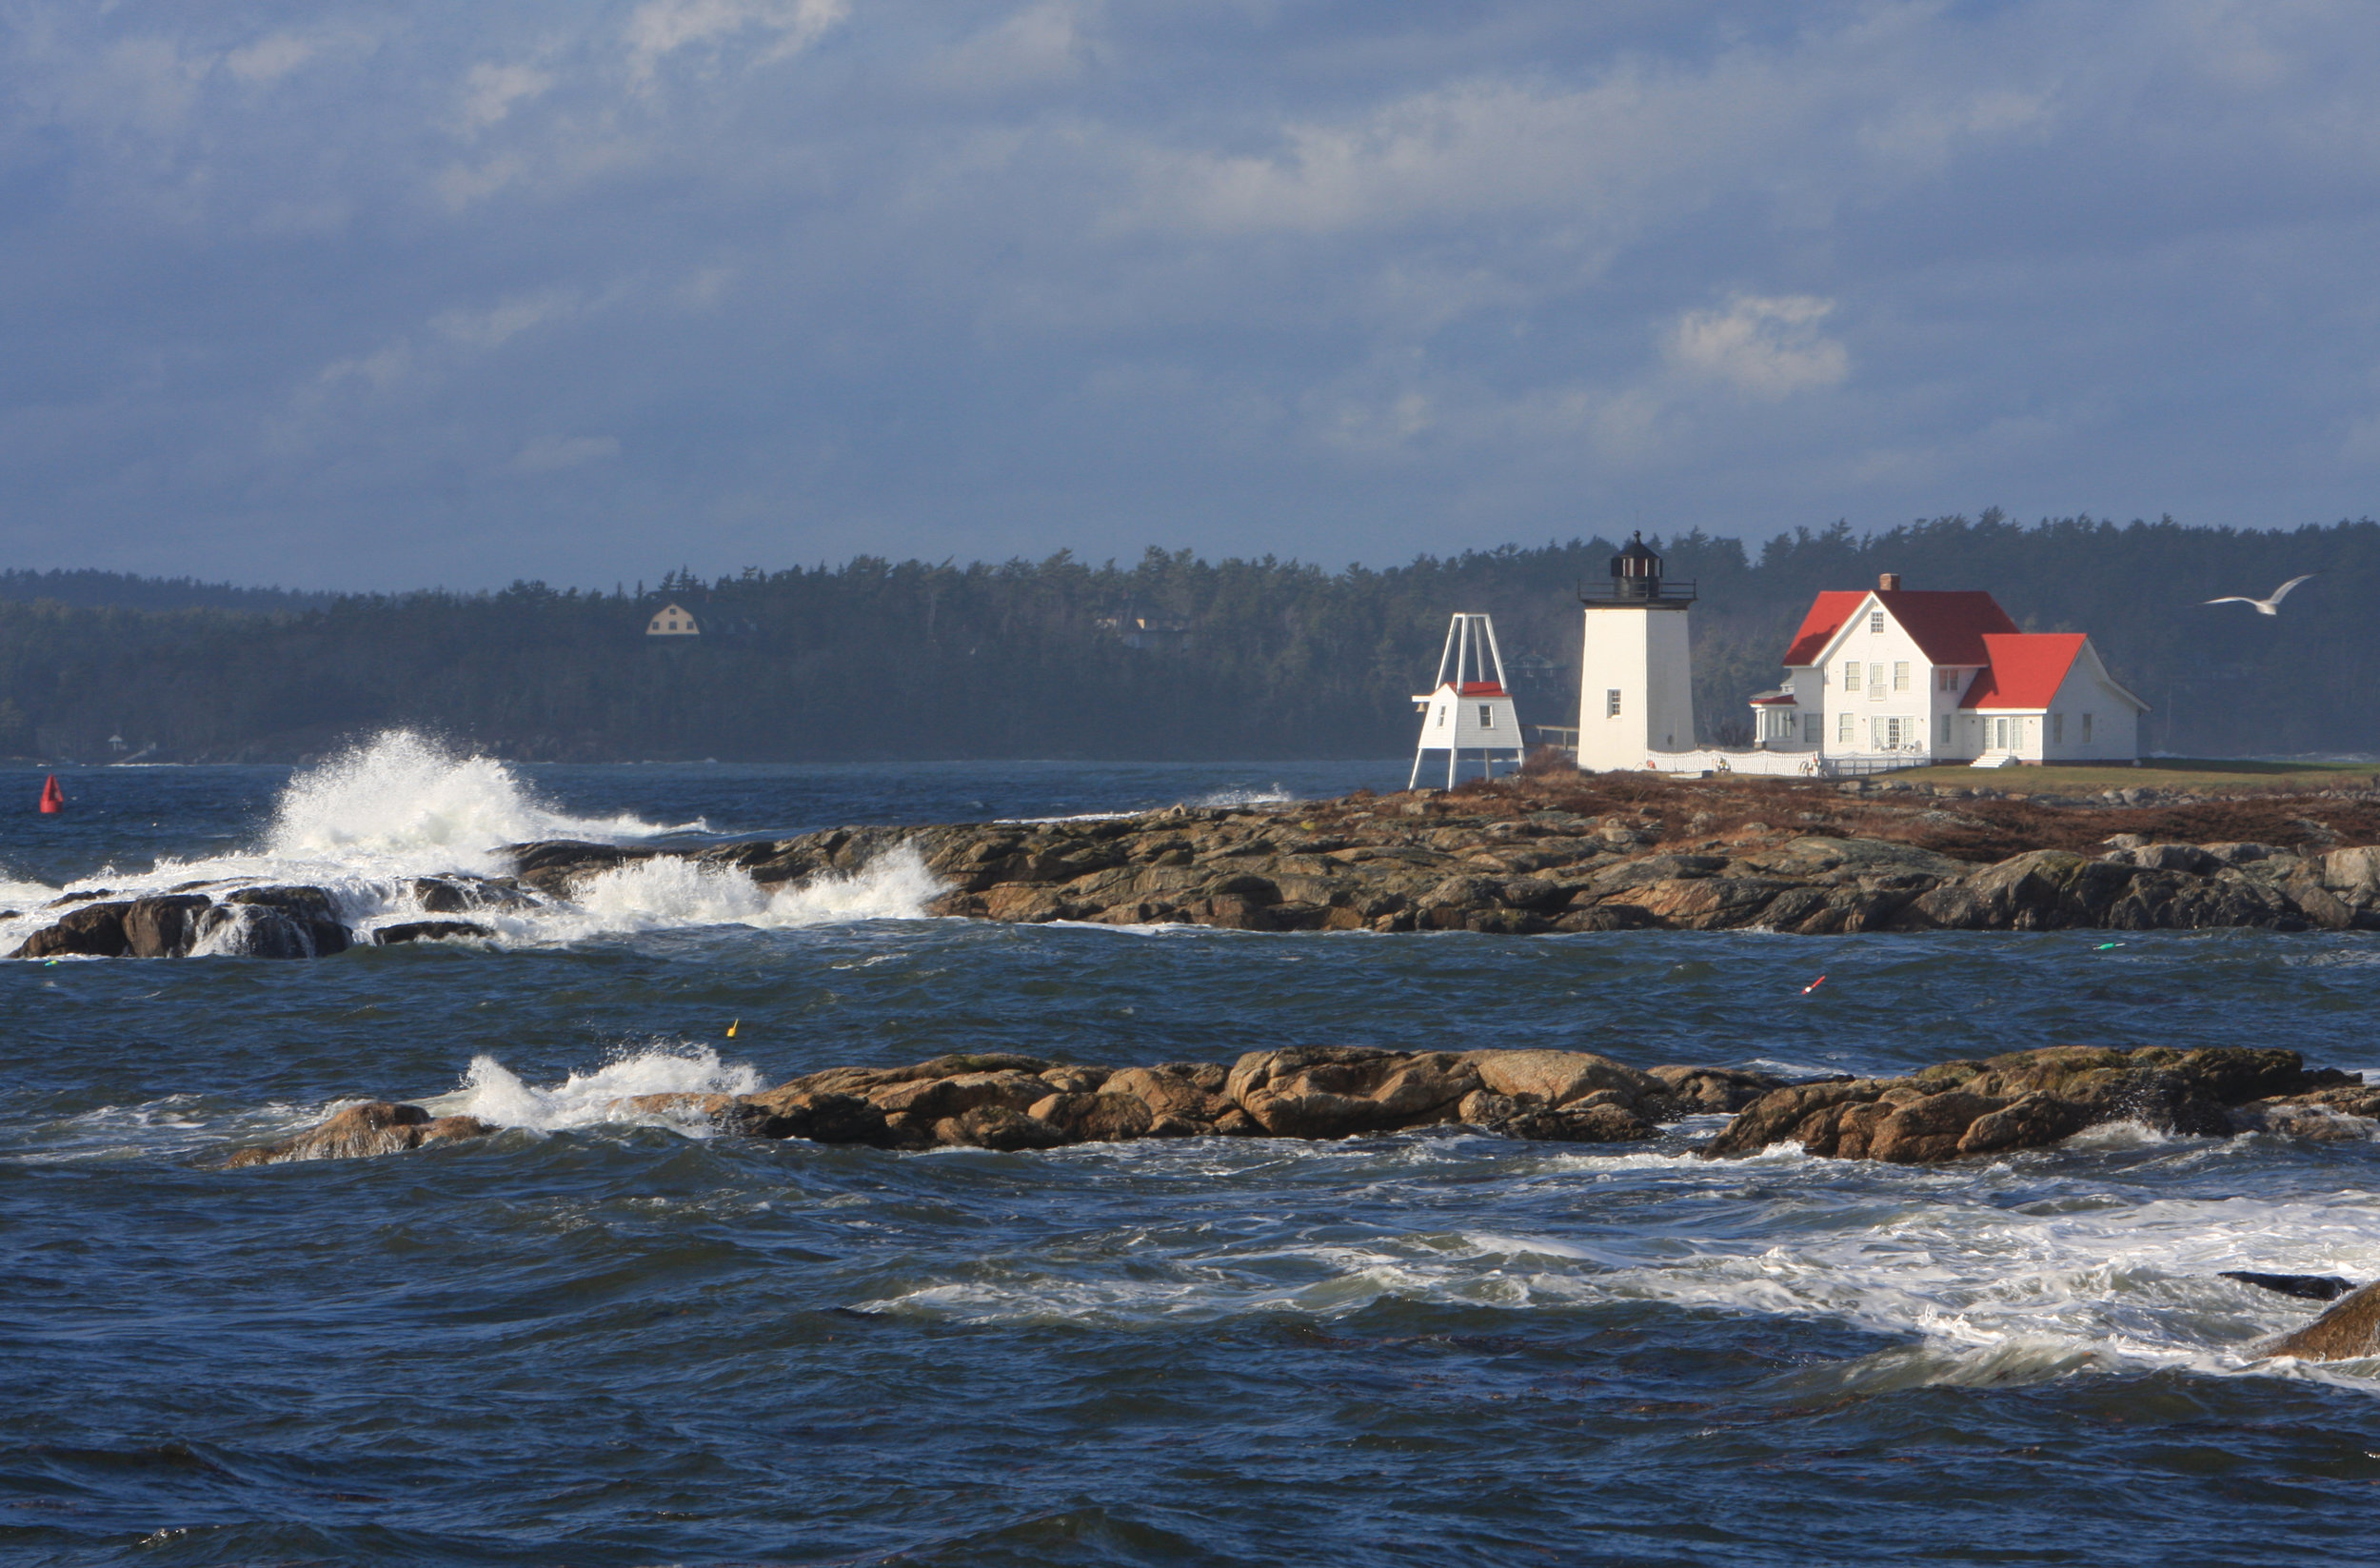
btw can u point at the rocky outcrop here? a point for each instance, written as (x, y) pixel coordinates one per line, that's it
(1002, 1100)
(1516, 862)
(2026, 1099)
(1554, 854)
(2349, 1331)
(2029, 1100)
(258, 921)
(362, 1131)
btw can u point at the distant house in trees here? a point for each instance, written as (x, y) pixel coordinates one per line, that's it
(673, 621)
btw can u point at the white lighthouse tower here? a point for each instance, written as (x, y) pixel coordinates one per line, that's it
(1469, 713)
(1635, 675)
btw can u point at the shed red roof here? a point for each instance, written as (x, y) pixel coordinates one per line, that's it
(1948, 626)
(2024, 670)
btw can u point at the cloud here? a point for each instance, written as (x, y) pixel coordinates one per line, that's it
(269, 58)
(658, 29)
(1017, 274)
(499, 325)
(555, 453)
(490, 92)
(1768, 347)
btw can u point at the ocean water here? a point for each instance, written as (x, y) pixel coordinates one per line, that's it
(597, 1339)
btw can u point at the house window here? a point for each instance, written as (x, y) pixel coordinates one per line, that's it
(2086, 726)
(1842, 729)
(2057, 727)
(1884, 734)
(1812, 730)
(1946, 729)
(1875, 682)
(1487, 716)
(1611, 704)
(1875, 621)
(1851, 676)
(1900, 675)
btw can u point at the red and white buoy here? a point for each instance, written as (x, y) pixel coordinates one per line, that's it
(52, 798)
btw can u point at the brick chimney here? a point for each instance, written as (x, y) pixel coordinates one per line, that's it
(1888, 582)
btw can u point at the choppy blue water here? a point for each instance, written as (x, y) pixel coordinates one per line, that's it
(597, 1341)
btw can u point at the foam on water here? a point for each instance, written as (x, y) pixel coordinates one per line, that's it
(1221, 798)
(495, 1093)
(363, 823)
(406, 801)
(1982, 1293)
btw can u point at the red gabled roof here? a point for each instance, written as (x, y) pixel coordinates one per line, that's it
(1827, 612)
(1949, 627)
(2024, 669)
(1481, 688)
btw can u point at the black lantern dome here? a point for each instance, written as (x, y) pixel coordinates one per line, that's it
(1637, 579)
(1637, 571)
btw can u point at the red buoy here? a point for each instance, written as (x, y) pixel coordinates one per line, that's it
(52, 798)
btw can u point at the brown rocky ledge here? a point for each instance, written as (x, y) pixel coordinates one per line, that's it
(1587, 852)
(1543, 852)
(2028, 1100)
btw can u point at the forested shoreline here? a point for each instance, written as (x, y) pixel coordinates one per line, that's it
(875, 660)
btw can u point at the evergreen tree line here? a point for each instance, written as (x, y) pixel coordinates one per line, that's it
(1256, 659)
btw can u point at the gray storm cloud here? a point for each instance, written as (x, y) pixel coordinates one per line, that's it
(340, 294)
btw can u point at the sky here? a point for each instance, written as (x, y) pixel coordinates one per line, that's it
(339, 294)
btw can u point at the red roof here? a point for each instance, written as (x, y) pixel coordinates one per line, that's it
(1950, 627)
(2024, 669)
(1481, 688)
(1827, 612)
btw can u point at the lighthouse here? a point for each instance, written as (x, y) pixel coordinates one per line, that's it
(1469, 712)
(1636, 674)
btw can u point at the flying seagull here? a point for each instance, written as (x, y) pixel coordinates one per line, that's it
(2264, 606)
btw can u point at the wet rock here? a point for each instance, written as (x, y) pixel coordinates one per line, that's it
(429, 930)
(1604, 1116)
(1094, 1117)
(998, 1127)
(1713, 1088)
(1559, 1077)
(558, 865)
(1341, 1091)
(96, 930)
(2022, 1101)
(2309, 1287)
(2349, 1331)
(940, 1099)
(1171, 1092)
(2035, 1122)
(1773, 1116)
(818, 1116)
(163, 928)
(360, 1132)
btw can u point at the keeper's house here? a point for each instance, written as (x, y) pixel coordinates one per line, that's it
(1904, 677)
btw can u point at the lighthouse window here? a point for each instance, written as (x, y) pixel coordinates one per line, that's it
(1900, 675)
(1487, 717)
(1851, 676)
(1441, 716)
(1611, 704)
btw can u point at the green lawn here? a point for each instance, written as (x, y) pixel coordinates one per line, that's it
(2198, 773)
